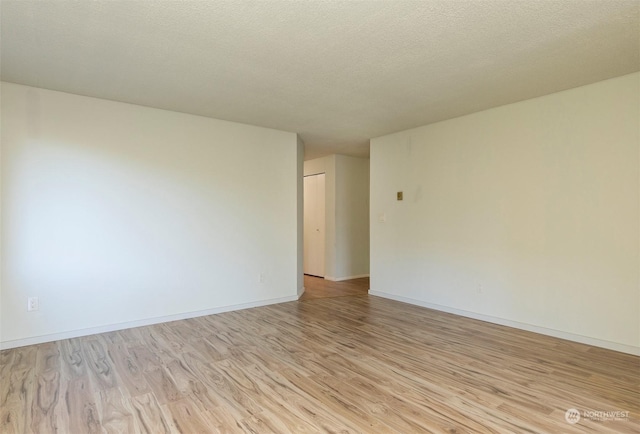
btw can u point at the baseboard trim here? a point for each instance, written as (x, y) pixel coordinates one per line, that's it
(623, 348)
(138, 323)
(340, 279)
(301, 291)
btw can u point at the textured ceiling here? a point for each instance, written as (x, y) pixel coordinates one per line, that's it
(336, 72)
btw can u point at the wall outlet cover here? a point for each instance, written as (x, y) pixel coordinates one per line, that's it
(33, 304)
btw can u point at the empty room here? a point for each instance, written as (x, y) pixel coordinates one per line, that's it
(305, 216)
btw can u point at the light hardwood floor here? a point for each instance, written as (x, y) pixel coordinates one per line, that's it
(317, 287)
(347, 364)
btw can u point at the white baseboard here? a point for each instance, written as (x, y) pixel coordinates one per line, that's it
(138, 323)
(340, 279)
(301, 291)
(623, 348)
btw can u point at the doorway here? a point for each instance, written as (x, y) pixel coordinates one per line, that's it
(314, 225)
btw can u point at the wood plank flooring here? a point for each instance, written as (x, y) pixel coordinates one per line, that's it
(348, 364)
(317, 287)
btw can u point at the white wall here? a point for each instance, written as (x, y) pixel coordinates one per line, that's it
(116, 214)
(346, 214)
(526, 214)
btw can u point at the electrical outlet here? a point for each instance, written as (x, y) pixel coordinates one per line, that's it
(479, 288)
(261, 278)
(33, 304)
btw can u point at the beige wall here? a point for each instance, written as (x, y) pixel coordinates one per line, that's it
(526, 214)
(352, 217)
(327, 165)
(117, 215)
(300, 214)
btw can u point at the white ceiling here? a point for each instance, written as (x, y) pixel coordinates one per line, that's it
(336, 72)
